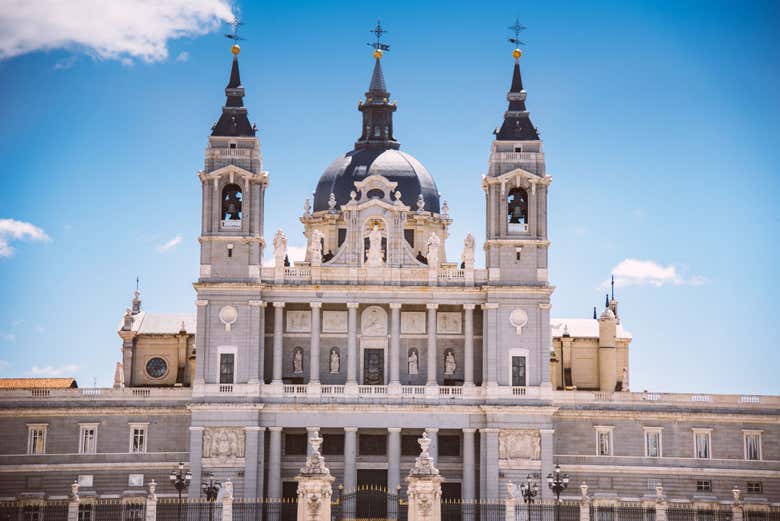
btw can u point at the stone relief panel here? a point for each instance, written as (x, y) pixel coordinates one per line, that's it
(298, 321)
(334, 321)
(223, 444)
(518, 447)
(413, 322)
(448, 322)
(373, 321)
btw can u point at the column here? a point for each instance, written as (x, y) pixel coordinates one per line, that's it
(250, 461)
(491, 463)
(546, 451)
(261, 344)
(255, 334)
(278, 342)
(260, 462)
(200, 341)
(433, 434)
(489, 343)
(314, 364)
(275, 463)
(352, 361)
(469, 469)
(350, 457)
(533, 215)
(432, 355)
(482, 465)
(395, 346)
(196, 467)
(468, 345)
(393, 459)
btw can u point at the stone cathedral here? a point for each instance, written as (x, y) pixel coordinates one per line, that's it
(376, 336)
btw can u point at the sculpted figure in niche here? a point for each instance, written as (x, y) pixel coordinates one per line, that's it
(449, 363)
(335, 361)
(298, 360)
(375, 255)
(413, 368)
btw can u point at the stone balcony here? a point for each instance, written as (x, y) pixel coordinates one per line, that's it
(448, 275)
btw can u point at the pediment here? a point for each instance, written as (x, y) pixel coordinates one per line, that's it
(232, 171)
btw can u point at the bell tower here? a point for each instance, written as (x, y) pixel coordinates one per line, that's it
(233, 185)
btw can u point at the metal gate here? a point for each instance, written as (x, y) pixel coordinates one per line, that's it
(370, 503)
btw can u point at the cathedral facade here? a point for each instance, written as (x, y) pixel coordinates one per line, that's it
(375, 337)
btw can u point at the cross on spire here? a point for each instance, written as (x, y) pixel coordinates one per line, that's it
(378, 31)
(516, 28)
(235, 24)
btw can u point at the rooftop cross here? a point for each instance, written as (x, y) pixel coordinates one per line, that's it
(378, 46)
(517, 28)
(235, 24)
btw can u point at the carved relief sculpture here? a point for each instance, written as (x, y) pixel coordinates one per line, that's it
(413, 368)
(223, 443)
(298, 360)
(335, 361)
(374, 321)
(449, 363)
(519, 445)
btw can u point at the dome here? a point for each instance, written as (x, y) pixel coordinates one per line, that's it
(399, 167)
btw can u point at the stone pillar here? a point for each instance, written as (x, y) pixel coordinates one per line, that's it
(200, 341)
(227, 501)
(424, 486)
(395, 348)
(482, 465)
(469, 469)
(314, 485)
(260, 463)
(489, 344)
(350, 457)
(393, 459)
(250, 460)
(584, 502)
(533, 216)
(433, 447)
(196, 466)
(547, 455)
(352, 351)
(74, 502)
(432, 380)
(468, 345)
(314, 364)
(256, 331)
(275, 463)
(278, 344)
(491, 463)
(151, 502)
(661, 505)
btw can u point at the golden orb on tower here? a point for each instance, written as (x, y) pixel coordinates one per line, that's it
(516, 54)
(235, 49)
(377, 54)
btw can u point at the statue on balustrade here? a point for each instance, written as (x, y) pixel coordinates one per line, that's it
(433, 250)
(449, 363)
(280, 249)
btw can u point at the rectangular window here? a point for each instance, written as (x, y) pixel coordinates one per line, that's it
(518, 371)
(138, 437)
(88, 438)
(703, 485)
(409, 445)
(36, 439)
(653, 443)
(604, 441)
(226, 365)
(755, 487)
(295, 444)
(372, 444)
(449, 445)
(333, 444)
(701, 444)
(752, 445)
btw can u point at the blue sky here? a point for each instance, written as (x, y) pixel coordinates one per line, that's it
(659, 122)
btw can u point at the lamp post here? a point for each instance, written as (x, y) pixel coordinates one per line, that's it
(181, 480)
(529, 490)
(557, 483)
(211, 490)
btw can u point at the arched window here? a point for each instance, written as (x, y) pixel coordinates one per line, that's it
(517, 210)
(231, 203)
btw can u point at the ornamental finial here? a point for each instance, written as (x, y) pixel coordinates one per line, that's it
(379, 47)
(517, 28)
(235, 24)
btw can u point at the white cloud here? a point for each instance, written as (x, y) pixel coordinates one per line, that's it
(107, 29)
(68, 369)
(170, 244)
(183, 57)
(12, 230)
(635, 272)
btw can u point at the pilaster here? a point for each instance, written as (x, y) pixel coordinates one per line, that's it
(196, 464)
(395, 348)
(432, 384)
(350, 459)
(352, 361)
(251, 457)
(275, 463)
(393, 459)
(468, 345)
(469, 469)
(278, 345)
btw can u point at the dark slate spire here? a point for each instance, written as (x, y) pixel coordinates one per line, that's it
(377, 112)
(234, 120)
(517, 124)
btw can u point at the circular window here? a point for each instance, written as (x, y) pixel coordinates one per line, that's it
(156, 367)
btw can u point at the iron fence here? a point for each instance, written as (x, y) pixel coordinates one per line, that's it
(189, 510)
(460, 510)
(34, 511)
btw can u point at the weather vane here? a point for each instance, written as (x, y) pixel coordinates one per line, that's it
(235, 24)
(517, 28)
(378, 46)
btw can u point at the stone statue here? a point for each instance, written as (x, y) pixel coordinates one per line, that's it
(468, 251)
(420, 204)
(445, 210)
(624, 381)
(119, 376)
(306, 207)
(449, 363)
(375, 257)
(433, 251)
(332, 202)
(335, 361)
(315, 246)
(280, 248)
(298, 360)
(412, 362)
(223, 443)
(127, 324)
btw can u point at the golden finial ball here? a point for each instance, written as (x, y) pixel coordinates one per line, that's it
(377, 54)
(516, 54)
(235, 49)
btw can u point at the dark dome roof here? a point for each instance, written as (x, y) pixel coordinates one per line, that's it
(412, 177)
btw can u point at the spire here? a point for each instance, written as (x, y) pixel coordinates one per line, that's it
(377, 111)
(517, 124)
(234, 120)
